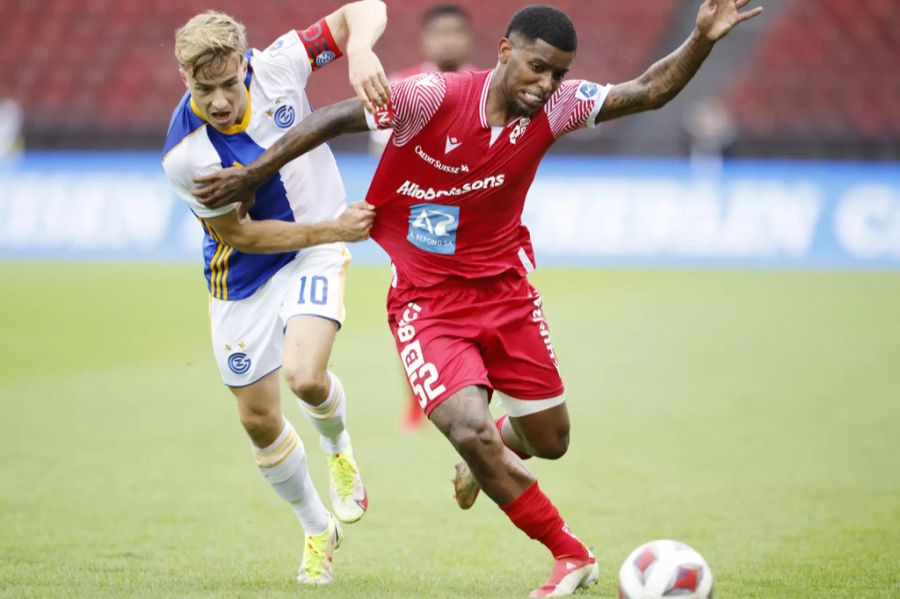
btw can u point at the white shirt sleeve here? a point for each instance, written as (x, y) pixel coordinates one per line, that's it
(304, 51)
(289, 53)
(181, 177)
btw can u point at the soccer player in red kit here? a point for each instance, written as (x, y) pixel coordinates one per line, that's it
(449, 194)
(446, 42)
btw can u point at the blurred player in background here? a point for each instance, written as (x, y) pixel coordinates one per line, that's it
(272, 305)
(449, 194)
(446, 43)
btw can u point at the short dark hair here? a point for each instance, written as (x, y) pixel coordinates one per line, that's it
(444, 10)
(539, 21)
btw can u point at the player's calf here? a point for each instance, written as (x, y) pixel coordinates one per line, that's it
(466, 422)
(480, 447)
(262, 422)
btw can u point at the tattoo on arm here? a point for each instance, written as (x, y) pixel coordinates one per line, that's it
(662, 81)
(624, 99)
(327, 123)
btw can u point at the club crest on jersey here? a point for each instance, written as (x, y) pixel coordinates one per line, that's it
(432, 227)
(587, 91)
(239, 363)
(519, 129)
(284, 116)
(324, 58)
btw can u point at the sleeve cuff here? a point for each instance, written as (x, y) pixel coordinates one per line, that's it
(598, 105)
(204, 212)
(370, 121)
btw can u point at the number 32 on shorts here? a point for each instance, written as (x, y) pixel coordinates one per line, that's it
(422, 375)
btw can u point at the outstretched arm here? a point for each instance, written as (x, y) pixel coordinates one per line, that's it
(356, 27)
(237, 184)
(662, 81)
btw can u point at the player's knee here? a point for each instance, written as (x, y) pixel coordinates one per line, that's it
(553, 447)
(475, 440)
(308, 385)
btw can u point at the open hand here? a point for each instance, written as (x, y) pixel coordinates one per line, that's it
(717, 17)
(368, 79)
(354, 222)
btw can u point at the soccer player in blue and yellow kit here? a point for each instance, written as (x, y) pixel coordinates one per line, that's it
(275, 270)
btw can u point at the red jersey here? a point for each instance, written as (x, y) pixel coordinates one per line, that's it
(450, 189)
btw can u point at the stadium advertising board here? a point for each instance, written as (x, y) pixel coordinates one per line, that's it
(582, 211)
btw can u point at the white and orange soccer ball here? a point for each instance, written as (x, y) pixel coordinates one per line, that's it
(660, 569)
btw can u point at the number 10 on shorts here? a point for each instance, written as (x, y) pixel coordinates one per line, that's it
(313, 290)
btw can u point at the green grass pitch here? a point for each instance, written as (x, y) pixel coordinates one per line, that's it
(755, 416)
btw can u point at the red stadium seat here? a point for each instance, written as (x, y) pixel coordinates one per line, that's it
(117, 68)
(829, 67)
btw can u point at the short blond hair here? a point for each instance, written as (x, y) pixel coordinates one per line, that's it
(208, 41)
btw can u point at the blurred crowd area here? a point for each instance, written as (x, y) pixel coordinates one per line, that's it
(810, 78)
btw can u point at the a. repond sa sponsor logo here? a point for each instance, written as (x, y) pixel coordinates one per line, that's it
(453, 170)
(432, 227)
(414, 190)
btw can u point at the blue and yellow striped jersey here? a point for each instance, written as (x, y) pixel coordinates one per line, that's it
(308, 189)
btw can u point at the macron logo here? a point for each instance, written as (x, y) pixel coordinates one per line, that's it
(451, 144)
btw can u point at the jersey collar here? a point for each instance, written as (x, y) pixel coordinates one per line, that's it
(482, 105)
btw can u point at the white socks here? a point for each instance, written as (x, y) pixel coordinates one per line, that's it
(329, 418)
(283, 463)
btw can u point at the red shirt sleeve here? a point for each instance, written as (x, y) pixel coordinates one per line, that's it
(415, 100)
(575, 105)
(320, 45)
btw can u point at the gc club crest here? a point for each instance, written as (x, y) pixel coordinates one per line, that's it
(239, 363)
(284, 116)
(324, 58)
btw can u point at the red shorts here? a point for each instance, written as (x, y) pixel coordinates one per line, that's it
(490, 333)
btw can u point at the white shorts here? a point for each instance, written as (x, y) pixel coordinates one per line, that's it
(248, 334)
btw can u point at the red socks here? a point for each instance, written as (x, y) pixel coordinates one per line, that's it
(533, 513)
(499, 424)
